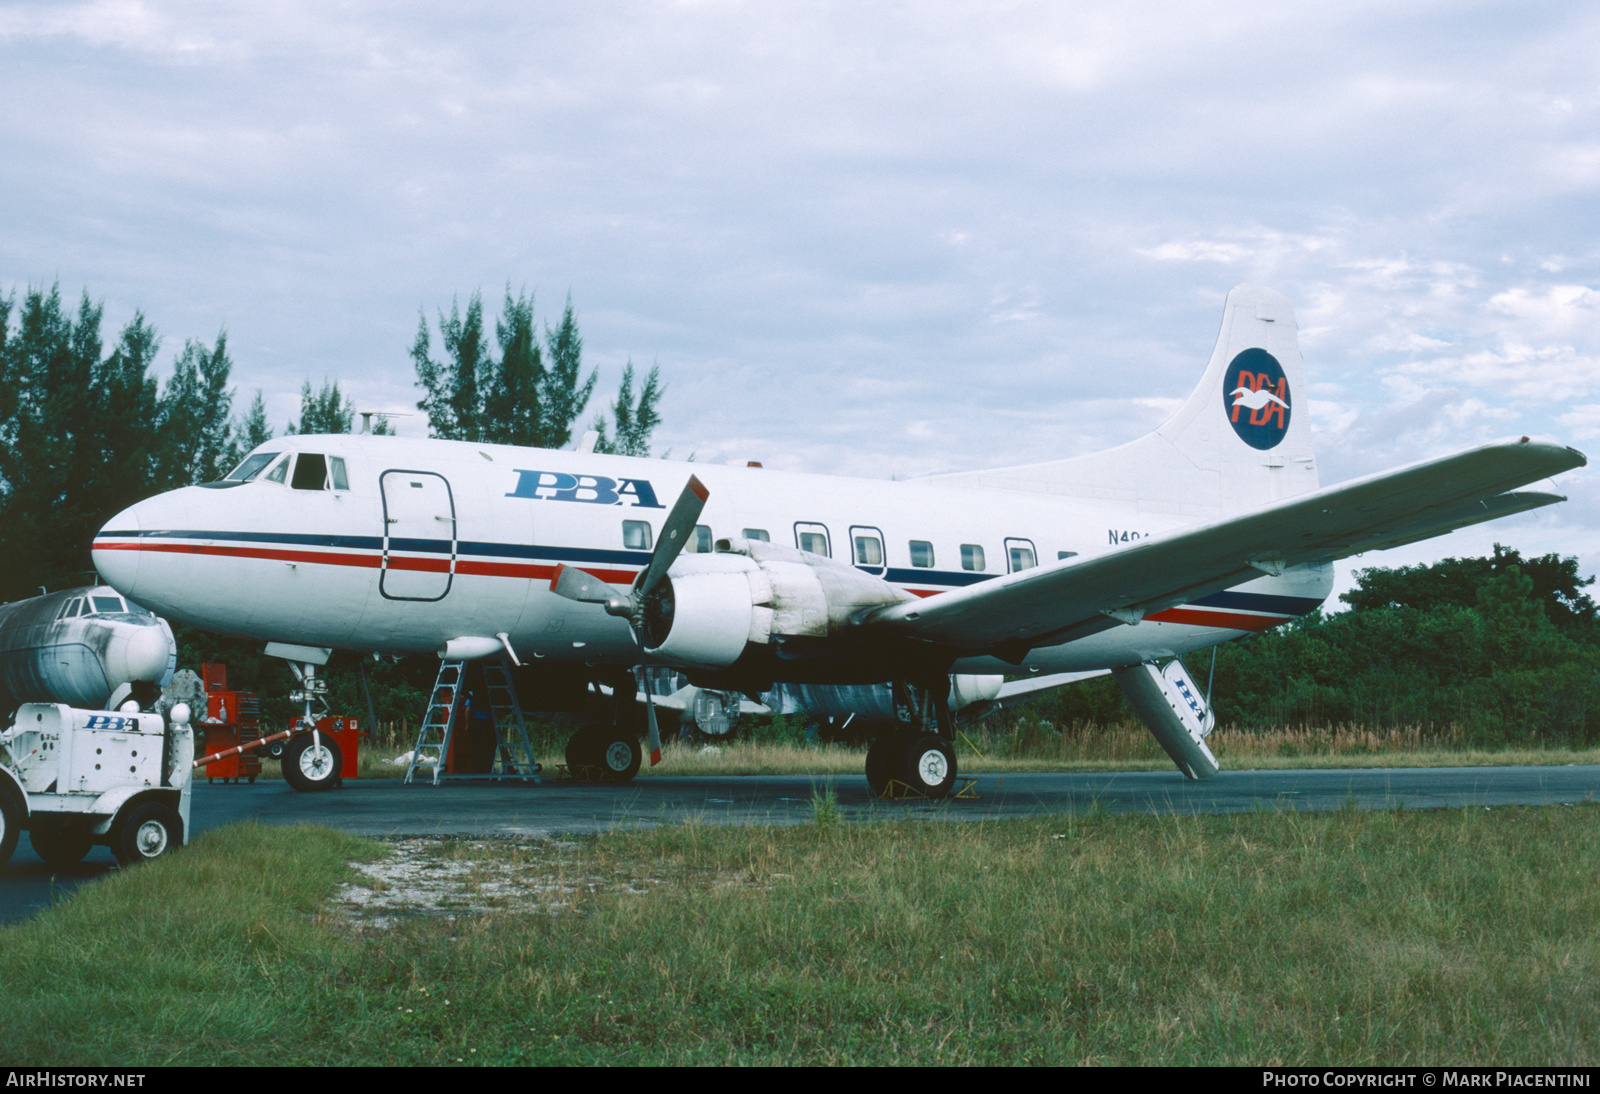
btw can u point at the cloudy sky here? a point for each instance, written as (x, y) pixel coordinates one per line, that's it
(869, 239)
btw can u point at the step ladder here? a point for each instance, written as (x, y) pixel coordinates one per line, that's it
(513, 752)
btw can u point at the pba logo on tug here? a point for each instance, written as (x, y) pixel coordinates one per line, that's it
(1255, 397)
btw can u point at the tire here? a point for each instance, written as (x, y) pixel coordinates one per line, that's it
(881, 757)
(59, 841)
(146, 832)
(308, 768)
(618, 755)
(11, 818)
(927, 764)
(581, 749)
(275, 750)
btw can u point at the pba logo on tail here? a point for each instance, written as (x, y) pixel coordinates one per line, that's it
(1255, 396)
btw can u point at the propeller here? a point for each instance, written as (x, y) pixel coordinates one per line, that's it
(576, 584)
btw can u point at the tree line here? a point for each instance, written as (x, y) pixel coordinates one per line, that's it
(86, 431)
(1504, 647)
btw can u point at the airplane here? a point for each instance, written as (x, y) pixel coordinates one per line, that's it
(1212, 527)
(86, 647)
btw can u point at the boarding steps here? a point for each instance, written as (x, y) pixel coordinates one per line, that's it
(448, 705)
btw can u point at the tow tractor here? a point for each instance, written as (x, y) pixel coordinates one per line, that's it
(76, 778)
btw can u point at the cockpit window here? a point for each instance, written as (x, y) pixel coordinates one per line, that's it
(108, 604)
(341, 481)
(279, 472)
(310, 472)
(251, 467)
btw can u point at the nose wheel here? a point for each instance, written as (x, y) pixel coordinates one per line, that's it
(309, 765)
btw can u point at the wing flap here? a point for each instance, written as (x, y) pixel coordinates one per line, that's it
(1079, 596)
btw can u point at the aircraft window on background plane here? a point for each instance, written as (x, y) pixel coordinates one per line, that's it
(251, 467)
(341, 481)
(107, 604)
(1065, 554)
(971, 556)
(921, 553)
(278, 473)
(636, 535)
(699, 541)
(1021, 555)
(757, 533)
(869, 552)
(310, 472)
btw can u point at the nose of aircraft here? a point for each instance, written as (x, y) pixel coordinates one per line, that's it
(138, 653)
(115, 555)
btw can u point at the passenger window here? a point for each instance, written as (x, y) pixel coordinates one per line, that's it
(971, 556)
(812, 538)
(279, 473)
(869, 551)
(1020, 554)
(699, 541)
(636, 535)
(921, 553)
(336, 469)
(310, 472)
(757, 533)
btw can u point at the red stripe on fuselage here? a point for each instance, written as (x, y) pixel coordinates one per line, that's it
(537, 571)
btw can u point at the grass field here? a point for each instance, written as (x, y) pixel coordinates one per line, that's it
(1464, 937)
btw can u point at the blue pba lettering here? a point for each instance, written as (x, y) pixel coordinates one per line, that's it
(589, 489)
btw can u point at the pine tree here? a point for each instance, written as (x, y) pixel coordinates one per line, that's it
(635, 421)
(454, 402)
(512, 396)
(194, 417)
(565, 392)
(325, 411)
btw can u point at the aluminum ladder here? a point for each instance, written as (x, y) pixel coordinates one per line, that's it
(513, 752)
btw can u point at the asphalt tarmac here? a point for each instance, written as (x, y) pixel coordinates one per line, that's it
(388, 807)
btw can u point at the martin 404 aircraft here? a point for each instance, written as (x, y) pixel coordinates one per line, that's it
(1210, 528)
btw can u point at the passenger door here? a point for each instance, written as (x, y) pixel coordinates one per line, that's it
(419, 536)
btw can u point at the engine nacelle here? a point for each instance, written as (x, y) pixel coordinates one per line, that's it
(712, 608)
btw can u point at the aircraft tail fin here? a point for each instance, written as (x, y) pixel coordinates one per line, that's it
(1241, 439)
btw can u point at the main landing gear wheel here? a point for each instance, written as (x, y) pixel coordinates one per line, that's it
(60, 842)
(928, 765)
(146, 832)
(612, 753)
(881, 756)
(925, 762)
(308, 766)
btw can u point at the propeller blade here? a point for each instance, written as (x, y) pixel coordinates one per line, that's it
(645, 683)
(675, 535)
(575, 584)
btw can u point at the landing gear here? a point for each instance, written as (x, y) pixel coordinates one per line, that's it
(604, 752)
(312, 766)
(916, 758)
(60, 841)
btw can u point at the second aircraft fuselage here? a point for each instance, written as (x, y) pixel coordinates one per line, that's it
(398, 546)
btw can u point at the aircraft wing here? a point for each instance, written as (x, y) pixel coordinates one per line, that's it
(1072, 599)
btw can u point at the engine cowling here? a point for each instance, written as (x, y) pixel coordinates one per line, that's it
(711, 608)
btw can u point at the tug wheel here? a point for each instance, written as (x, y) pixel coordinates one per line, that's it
(146, 832)
(59, 842)
(10, 825)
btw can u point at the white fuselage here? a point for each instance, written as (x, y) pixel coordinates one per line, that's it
(430, 541)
